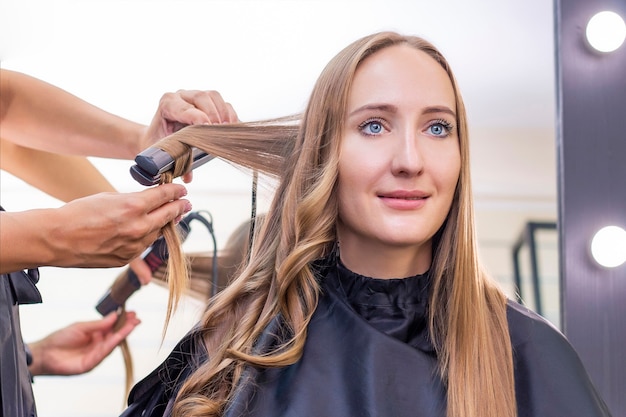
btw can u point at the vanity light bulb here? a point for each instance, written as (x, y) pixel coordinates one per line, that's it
(608, 246)
(606, 31)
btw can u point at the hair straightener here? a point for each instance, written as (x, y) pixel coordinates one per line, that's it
(152, 162)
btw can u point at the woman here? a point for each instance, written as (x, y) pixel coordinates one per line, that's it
(363, 294)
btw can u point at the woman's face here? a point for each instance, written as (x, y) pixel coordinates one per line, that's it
(399, 162)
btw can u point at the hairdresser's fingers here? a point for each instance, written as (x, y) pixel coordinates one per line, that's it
(164, 205)
(181, 108)
(174, 108)
(156, 197)
(141, 269)
(104, 324)
(103, 342)
(231, 114)
(188, 177)
(171, 212)
(177, 110)
(162, 214)
(211, 104)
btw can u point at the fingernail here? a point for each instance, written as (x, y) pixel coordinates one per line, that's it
(188, 207)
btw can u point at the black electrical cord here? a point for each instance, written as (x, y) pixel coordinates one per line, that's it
(197, 215)
(255, 180)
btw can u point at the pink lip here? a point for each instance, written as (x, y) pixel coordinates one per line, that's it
(404, 200)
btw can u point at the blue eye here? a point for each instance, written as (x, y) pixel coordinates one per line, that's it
(375, 127)
(372, 127)
(436, 129)
(440, 128)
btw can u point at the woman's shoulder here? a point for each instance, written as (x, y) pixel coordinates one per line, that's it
(526, 326)
(538, 344)
(549, 374)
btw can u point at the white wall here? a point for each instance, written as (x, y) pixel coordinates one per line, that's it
(263, 57)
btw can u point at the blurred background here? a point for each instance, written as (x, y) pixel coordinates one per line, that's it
(263, 56)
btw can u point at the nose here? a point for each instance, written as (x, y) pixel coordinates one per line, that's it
(407, 156)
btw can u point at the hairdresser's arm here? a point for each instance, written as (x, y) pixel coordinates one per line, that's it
(79, 347)
(64, 177)
(103, 230)
(36, 114)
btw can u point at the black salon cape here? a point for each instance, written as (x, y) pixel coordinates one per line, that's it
(16, 392)
(351, 366)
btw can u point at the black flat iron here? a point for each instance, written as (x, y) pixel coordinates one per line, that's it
(152, 162)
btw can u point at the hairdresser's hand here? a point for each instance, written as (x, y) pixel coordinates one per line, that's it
(79, 347)
(187, 107)
(111, 229)
(102, 230)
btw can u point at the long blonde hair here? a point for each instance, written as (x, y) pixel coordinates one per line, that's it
(468, 311)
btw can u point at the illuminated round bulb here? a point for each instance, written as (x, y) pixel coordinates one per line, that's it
(608, 246)
(606, 31)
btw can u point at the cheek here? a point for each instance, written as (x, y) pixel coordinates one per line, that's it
(349, 166)
(346, 183)
(351, 182)
(447, 174)
(453, 175)
(360, 161)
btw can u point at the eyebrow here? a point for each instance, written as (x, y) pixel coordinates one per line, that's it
(439, 109)
(390, 108)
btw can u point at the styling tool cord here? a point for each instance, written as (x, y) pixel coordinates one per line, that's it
(209, 225)
(255, 181)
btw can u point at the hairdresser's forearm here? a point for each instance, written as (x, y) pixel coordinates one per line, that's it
(65, 177)
(37, 114)
(46, 237)
(25, 239)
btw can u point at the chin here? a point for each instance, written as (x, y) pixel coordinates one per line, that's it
(407, 242)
